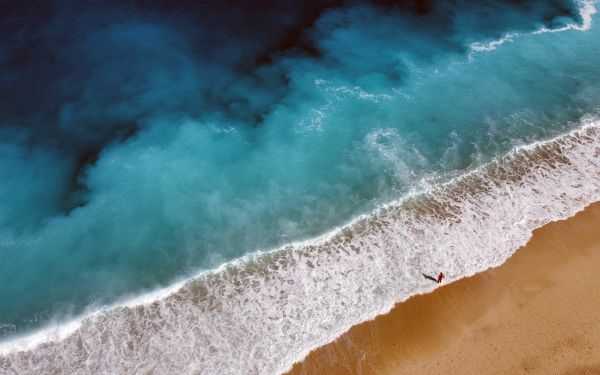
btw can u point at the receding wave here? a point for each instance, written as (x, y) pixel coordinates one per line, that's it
(260, 314)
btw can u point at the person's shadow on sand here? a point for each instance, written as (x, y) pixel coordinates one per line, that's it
(431, 278)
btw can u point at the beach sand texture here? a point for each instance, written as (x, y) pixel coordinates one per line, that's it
(538, 313)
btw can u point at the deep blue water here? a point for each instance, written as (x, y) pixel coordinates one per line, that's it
(144, 141)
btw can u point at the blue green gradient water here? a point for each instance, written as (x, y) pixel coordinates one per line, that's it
(152, 144)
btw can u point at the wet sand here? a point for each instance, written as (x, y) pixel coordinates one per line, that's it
(538, 313)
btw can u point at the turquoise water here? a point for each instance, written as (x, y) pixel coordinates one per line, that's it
(146, 156)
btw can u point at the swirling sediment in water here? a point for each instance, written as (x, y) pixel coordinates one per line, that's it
(262, 313)
(168, 151)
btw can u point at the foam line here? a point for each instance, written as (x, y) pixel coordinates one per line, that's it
(285, 302)
(587, 9)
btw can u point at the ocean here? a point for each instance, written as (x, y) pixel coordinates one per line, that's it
(218, 187)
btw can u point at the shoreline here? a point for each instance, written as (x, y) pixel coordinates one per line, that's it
(316, 283)
(533, 314)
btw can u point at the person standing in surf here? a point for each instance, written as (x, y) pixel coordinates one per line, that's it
(440, 277)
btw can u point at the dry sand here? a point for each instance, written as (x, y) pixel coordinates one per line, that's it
(538, 313)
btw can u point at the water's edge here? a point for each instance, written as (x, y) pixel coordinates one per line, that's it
(288, 301)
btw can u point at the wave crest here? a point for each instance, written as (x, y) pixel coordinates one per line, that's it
(263, 312)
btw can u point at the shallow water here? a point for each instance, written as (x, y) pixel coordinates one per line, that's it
(167, 150)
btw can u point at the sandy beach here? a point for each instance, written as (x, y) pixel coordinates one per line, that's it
(535, 314)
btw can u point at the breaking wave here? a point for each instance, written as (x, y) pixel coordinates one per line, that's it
(263, 312)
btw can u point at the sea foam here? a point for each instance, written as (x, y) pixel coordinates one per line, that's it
(262, 313)
(587, 9)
